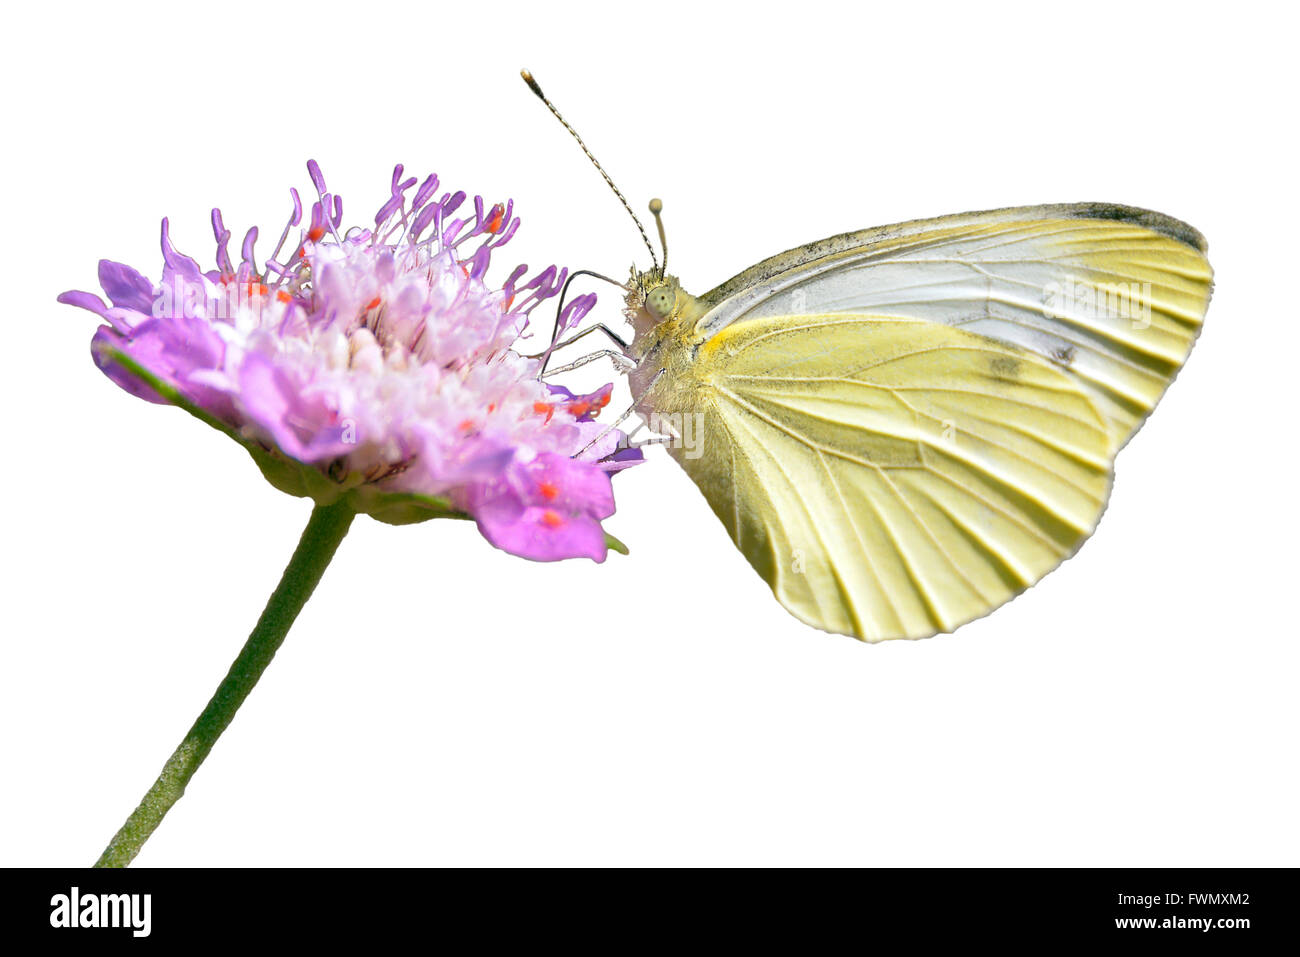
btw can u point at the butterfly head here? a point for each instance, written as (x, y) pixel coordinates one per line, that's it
(653, 297)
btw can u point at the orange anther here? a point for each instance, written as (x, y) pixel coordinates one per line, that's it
(373, 303)
(551, 519)
(494, 218)
(544, 407)
(315, 233)
(549, 491)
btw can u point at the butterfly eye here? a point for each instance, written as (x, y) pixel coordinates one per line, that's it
(660, 302)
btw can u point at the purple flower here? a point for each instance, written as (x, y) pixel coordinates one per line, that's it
(376, 365)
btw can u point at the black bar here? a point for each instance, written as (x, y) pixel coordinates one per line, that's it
(1168, 907)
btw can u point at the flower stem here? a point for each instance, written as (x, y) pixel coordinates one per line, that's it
(320, 539)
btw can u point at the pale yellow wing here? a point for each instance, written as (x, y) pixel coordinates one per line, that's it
(1113, 294)
(889, 478)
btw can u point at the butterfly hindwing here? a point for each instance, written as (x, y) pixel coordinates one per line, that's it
(891, 478)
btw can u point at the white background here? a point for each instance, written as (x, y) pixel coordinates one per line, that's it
(440, 702)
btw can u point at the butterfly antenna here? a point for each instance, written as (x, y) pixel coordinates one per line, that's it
(657, 207)
(532, 85)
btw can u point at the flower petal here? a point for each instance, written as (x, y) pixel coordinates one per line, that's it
(125, 287)
(545, 535)
(301, 424)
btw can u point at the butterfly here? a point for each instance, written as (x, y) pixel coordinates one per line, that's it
(903, 428)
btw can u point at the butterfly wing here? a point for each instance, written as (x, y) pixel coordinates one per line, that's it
(1114, 294)
(889, 478)
(902, 428)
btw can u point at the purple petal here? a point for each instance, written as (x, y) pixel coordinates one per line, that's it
(624, 458)
(176, 263)
(302, 426)
(569, 485)
(103, 346)
(545, 535)
(84, 300)
(122, 320)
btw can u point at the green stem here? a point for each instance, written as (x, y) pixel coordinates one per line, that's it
(320, 539)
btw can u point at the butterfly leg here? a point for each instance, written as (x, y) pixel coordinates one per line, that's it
(545, 356)
(599, 327)
(559, 313)
(621, 362)
(620, 420)
(608, 429)
(657, 440)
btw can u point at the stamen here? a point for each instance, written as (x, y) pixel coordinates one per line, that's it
(248, 265)
(224, 265)
(294, 220)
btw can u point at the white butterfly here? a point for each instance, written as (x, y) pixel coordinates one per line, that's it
(903, 428)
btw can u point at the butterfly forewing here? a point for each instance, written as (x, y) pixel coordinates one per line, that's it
(1117, 300)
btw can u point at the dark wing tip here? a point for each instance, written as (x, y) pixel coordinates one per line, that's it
(774, 265)
(1158, 222)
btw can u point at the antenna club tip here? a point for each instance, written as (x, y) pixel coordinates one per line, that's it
(532, 84)
(656, 206)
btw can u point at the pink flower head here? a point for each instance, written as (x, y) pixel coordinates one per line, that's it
(376, 364)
